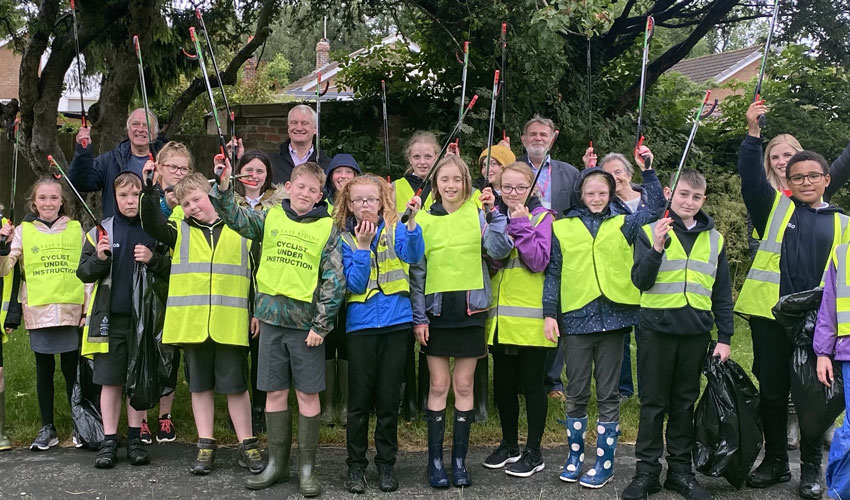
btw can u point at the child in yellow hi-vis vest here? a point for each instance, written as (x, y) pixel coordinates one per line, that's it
(207, 312)
(48, 244)
(109, 336)
(300, 288)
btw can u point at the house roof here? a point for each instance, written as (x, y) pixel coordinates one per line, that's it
(717, 67)
(305, 87)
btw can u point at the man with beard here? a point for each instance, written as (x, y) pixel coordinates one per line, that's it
(555, 187)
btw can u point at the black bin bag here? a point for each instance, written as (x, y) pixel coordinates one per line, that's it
(149, 361)
(727, 422)
(817, 405)
(85, 406)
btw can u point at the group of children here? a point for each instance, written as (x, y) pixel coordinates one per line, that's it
(261, 269)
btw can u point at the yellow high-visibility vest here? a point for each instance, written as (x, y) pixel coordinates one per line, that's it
(50, 265)
(388, 274)
(685, 279)
(595, 267)
(518, 300)
(208, 289)
(760, 291)
(452, 250)
(291, 255)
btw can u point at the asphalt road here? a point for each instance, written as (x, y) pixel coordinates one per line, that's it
(63, 473)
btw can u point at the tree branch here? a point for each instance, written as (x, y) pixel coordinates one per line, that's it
(718, 10)
(267, 14)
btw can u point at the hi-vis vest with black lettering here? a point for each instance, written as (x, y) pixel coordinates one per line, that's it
(208, 289)
(96, 345)
(595, 267)
(452, 250)
(292, 254)
(685, 279)
(50, 265)
(518, 301)
(388, 274)
(761, 289)
(842, 288)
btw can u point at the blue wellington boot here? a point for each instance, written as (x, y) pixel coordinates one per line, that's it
(460, 445)
(576, 432)
(606, 443)
(437, 476)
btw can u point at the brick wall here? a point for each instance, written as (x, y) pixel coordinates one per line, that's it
(11, 63)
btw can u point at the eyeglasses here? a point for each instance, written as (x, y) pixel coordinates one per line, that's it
(174, 169)
(365, 201)
(514, 189)
(798, 180)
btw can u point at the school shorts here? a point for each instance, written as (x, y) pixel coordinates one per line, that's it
(213, 366)
(110, 368)
(286, 361)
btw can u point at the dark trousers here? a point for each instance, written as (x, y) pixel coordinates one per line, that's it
(627, 386)
(523, 370)
(772, 367)
(375, 366)
(336, 340)
(597, 356)
(554, 367)
(671, 367)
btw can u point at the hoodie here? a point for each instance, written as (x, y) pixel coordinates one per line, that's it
(340, 160)
(808, 237)
(685, 320)
(600, 314)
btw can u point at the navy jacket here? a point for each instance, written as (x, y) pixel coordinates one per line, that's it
(90, 174)
(808, 237)
(565, 180)
(282, 165)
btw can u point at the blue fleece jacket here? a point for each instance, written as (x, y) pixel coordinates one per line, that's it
(379, 310)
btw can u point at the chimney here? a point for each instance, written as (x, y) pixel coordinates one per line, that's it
(323, 49)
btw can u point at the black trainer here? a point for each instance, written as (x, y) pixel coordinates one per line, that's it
(685, 484)
(529, 463)
(643, 484)
(136, 452)
(356, 482)
(107, 456)
(769, 472)
(386, 478)
(810, 486)
(502, 456)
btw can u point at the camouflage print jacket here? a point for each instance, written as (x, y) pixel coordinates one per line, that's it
(279, 310)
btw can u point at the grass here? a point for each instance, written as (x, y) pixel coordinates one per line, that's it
(23, 420)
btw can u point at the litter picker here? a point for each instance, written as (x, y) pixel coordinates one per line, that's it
(762, 120)
(101, 232)
(143, 90)
(647, 36)
(79, 68)
(386, 127)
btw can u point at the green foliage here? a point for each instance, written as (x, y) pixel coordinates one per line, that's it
(278, 71)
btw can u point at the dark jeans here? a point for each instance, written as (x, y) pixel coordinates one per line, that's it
(336, 341)
(597, 356)
(772, 367)
(523, 370)
(375, 367)
(554, 367)
(672, 365)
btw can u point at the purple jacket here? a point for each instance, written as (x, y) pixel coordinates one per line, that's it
(826, 341)
(532, 242)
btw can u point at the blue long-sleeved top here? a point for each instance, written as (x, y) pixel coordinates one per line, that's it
(600, 314)
(379, 310)
(651, 193)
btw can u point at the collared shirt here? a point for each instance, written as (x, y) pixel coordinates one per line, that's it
(299, 160)
(544, 182)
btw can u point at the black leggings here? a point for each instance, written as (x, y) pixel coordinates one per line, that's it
(45, 365)
(524, 371)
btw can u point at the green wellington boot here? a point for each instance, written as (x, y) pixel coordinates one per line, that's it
(328, 396)
(308, 441)
(279, 433)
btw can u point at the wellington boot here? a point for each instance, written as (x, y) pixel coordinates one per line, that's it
(308, 441)
(279, 433)
(328, 396)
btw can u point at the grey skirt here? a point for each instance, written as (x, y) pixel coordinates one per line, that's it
(55, 340)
